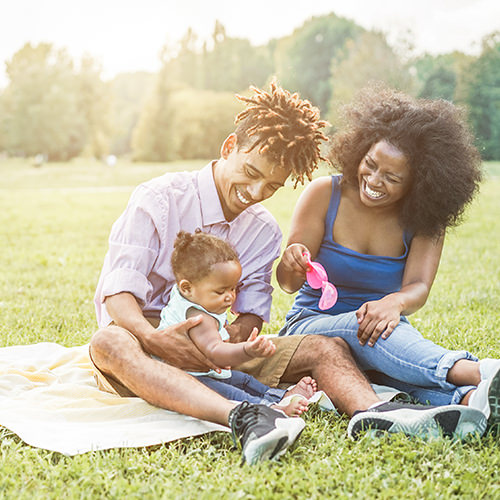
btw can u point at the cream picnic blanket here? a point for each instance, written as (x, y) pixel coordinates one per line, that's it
(48, 397)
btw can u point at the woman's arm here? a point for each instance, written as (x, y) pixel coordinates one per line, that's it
(207, 339)
(306, 233)
(380, 317)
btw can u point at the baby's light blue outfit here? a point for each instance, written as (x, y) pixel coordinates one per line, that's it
(231, 384)
(175, 312)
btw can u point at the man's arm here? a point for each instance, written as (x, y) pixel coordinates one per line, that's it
(172, 344)
(241, 328)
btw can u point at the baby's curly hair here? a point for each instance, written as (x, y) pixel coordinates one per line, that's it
(283, 126)
(195, 253)
(433, 135)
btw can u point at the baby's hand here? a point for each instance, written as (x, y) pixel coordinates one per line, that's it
(259, 347)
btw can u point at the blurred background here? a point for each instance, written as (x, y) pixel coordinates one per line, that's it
(155, 80)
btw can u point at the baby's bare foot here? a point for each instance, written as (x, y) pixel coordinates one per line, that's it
(306, 387)
(293, 405)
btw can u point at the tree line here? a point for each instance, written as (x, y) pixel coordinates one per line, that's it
(54, 107)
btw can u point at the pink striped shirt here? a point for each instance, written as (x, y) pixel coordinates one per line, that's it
(141, 243)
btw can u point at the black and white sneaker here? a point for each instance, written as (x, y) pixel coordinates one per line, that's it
(455, 421)
(263, 433)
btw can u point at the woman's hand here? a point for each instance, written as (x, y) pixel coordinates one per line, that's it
(259, 347)
(378, 317)
(293, 259)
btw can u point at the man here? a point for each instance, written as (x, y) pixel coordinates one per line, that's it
(277, 135)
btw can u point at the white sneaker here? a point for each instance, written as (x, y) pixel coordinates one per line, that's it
(486, 397)
(488, 367)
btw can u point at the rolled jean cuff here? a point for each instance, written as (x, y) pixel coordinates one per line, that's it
(275, 393)
(460, 392)
(446, 362)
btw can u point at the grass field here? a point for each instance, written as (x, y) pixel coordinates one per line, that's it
(54, 223)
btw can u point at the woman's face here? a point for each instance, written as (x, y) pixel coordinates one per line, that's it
(384, 175)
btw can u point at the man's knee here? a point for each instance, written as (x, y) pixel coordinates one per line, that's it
(321, 344)
(107, 343)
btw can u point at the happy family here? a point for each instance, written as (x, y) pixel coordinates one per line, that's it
(192, 245)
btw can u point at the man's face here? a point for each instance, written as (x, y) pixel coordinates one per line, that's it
(243, 179)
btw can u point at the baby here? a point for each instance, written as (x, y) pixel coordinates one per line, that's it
(207, 271)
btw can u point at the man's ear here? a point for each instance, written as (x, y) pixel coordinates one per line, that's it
(184, 287)
(228, 145)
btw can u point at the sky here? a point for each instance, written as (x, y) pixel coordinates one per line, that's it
(127, 35)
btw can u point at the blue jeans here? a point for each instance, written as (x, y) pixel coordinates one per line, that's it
(243, 387)
(405, 360)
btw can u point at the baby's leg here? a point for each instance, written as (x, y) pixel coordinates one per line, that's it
(229, 391)
(306, 387)
(295, 401)
(293, 405)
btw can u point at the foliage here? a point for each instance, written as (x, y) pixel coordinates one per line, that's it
(201, 121)
(439, 76)
(55, 236)
(223, 63)
(129, 92)
(367, 58)
(303, 60)
(482, 95)
(61, 110)
(41, 105)
(94, 105)
(49, 108)
(152, 138)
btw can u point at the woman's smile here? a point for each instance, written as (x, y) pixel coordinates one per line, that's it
(372, 193)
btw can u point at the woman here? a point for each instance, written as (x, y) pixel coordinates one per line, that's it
(409, 168)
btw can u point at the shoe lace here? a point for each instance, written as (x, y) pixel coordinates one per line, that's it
(244, 416)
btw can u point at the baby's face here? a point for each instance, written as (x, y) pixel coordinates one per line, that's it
(217, 291)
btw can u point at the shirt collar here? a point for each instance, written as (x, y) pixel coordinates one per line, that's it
(211, 209)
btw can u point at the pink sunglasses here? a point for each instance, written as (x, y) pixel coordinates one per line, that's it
(317, 278)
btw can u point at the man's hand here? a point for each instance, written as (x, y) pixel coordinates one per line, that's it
(259, 347)
(173, 345)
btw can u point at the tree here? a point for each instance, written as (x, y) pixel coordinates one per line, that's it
(201, 120)
(303, 60)
(94, 102)
(129, 91)
(481, 92)
(438, 76)
(41, 104)
(152, 138)
(369, 58)
(232, 64)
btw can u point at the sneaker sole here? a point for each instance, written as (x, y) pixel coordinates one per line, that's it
(266, 447)
(494, 401)
(274, 444)
(455, 421)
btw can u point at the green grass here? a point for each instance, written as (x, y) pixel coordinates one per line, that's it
(54, 223)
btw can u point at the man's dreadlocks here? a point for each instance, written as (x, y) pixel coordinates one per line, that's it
(283, 126)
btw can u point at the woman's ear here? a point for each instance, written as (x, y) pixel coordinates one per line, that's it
(185, 287)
